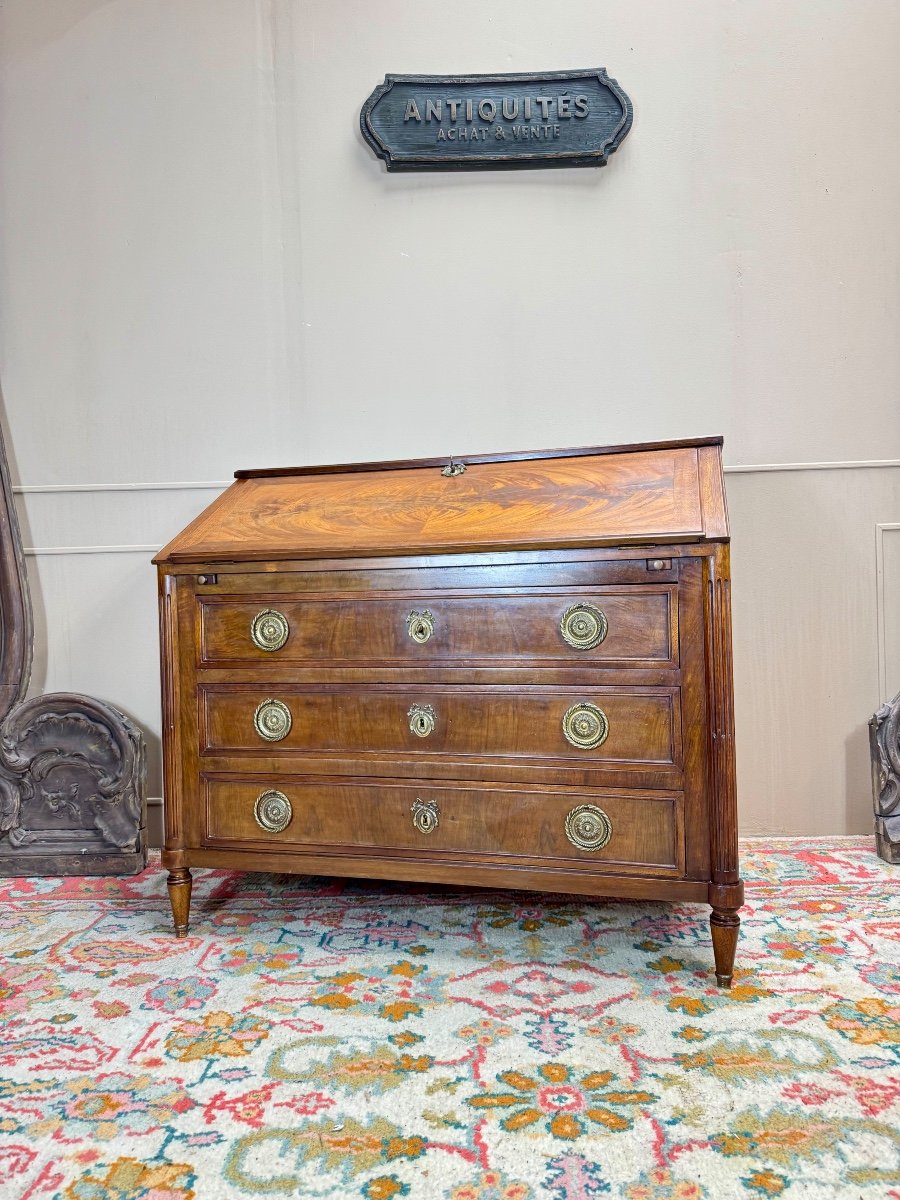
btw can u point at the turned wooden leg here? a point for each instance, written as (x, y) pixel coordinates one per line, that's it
(724, 924)
(179, 885)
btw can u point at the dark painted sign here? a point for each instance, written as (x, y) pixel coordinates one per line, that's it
(465, 122)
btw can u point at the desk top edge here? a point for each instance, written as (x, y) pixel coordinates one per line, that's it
(401, 464)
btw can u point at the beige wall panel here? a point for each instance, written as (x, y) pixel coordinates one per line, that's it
(202, 266)
(145, 517)
(715, 277)
(137, 337)
(96, 631)
(806, 644)
(888, 614)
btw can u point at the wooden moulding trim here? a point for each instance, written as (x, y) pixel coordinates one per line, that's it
(723, 816)
(472, 459)
(541, 672)
(451, 857)
(557, 774)
(168, 630)
(467, 872)
(232, 774)
(226, 554)
(620, 552)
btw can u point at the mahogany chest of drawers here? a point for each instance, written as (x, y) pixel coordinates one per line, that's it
(512, 670)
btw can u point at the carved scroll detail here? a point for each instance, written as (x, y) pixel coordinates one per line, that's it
(78, 758)
(884, 742)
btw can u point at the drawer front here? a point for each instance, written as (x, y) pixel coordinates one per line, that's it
(611, 830)
(626, 627)
(600, 725)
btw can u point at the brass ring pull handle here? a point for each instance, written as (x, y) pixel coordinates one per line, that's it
(272, 811)
(421, 720)
(588, 827)
(426, 815)
(585, 726)
(269, 629)
(272, 720)
(583, 626)
(420, 626)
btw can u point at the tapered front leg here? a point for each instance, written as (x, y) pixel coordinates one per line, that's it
(179, 885)
(724, 924)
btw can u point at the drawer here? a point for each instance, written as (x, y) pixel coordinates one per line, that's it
(599, 725)
(626, 627)
(609, 829)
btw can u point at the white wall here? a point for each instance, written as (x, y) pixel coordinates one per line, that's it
(203, 267)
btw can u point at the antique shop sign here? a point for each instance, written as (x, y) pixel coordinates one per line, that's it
(462, 122)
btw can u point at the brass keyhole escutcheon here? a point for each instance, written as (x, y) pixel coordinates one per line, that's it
(583, 626)
(272, 720)
(272, 811)
(426, 815)
(420, 626)
(585, 726)
(269, 629)
(588, 827)
(421, 720)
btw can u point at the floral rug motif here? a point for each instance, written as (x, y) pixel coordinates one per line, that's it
(327, 1038)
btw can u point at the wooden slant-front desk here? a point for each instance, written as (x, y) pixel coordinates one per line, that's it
(511, 670)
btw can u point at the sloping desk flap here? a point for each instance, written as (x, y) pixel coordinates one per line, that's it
(670, 492)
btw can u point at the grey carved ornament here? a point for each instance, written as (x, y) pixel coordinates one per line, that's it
(884, 742)
(72, 769)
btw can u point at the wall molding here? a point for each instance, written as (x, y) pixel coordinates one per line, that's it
(217, 485)
(35, 551)
(852, 464)
(191, 486)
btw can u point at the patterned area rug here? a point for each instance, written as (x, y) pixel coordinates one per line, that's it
(317, 1038)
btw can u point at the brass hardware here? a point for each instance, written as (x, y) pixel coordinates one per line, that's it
(272, 720)
(588, 827)
(207, 579)
(272, 811)
(659, 564)
(269, 629)
(426, 815)
(421, 720)
(583, 626)
(420, 626)
(453, 469)
(585, 726)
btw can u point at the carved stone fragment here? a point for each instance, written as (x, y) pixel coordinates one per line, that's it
(884, 741)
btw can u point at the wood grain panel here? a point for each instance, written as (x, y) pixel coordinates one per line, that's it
(481, 628)
(641, 496)
(525, 722)
(345, 816)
